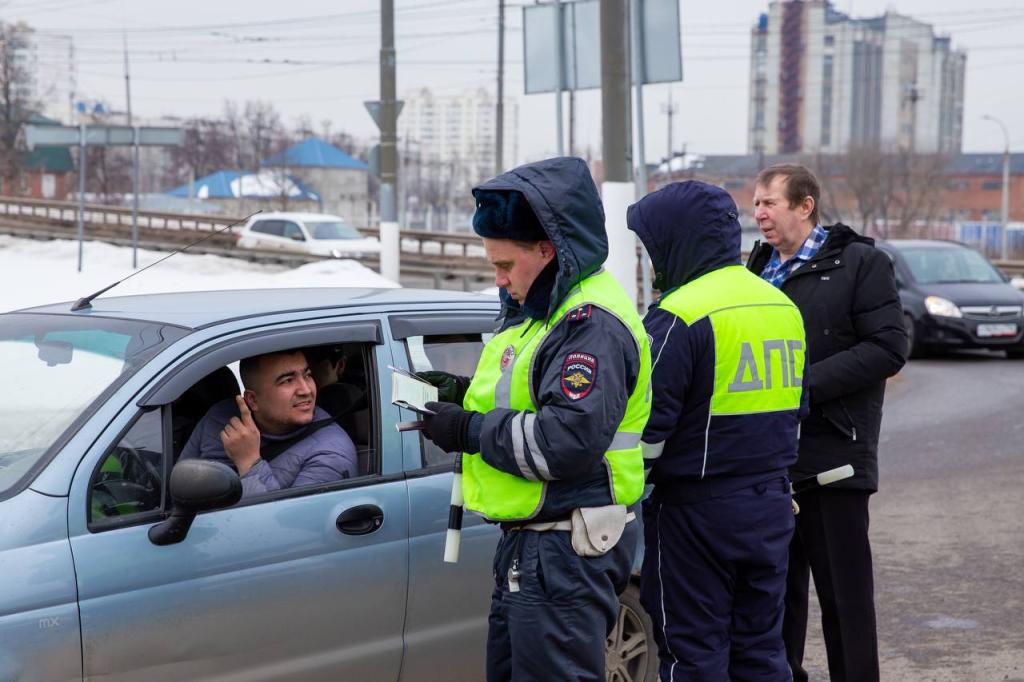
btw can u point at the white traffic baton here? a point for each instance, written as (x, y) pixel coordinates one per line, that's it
(453, 538)
(822, 479)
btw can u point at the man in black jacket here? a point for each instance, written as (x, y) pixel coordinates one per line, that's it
(846, 290)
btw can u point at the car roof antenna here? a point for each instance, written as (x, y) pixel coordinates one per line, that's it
(86, 302)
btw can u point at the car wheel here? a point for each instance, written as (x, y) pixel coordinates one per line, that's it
(631, 655)
(915, 349)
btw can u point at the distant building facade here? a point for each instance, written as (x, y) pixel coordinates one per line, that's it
(50, 63)
(341, 181)
(821, 82)
(968, 187)
(454, 136)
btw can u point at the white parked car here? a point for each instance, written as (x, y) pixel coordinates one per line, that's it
(319, 234)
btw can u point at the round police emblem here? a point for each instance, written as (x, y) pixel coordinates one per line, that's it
(507, 357)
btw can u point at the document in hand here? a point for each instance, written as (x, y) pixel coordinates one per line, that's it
(409, 391)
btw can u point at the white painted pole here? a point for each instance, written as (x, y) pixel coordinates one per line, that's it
(389, 238)
(622, 260)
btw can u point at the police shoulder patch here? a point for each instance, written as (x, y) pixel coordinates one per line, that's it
(579, 374)
(580, 314)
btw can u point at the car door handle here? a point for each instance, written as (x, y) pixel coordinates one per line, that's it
(360, 520)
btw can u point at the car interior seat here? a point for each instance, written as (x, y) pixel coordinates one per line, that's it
(193, 404)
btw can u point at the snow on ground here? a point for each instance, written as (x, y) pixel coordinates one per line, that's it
(39, 272)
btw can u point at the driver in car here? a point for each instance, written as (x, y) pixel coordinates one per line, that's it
(273, 434)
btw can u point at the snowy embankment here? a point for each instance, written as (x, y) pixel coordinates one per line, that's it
(39, 272)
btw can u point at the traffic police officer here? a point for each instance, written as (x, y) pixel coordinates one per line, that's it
(727, 398)
(550, 424)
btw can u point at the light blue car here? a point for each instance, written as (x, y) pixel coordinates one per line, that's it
(112, 567)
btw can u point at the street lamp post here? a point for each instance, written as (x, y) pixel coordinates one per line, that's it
(1006, 185)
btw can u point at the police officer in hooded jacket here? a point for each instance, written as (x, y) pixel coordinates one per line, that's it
(550, 424)
(728, 395)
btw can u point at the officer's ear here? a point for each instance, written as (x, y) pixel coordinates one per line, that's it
(547, 250)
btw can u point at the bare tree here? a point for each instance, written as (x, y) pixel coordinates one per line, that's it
(209, 147)
(893, 189)
(15, 102)
(264, 132)
(917, 184)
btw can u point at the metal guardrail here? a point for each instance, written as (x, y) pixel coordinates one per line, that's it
(439, 255)
(425, 255)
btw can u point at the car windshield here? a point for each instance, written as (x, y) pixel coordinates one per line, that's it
(56, 367)
(947, 266)
(336, 229)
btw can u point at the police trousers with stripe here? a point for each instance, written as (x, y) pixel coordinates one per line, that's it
(555, 625)
(714, 580)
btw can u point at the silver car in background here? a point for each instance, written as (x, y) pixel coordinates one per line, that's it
(120, 563)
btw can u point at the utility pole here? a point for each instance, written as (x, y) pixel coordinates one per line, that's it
(639, 72)
(670, 111)
(135, 157)
(617, 190)
(572, 123)
(560, 46)
(1004, 252)
(572, 88)
(499, 109)
(389, 237)
(81, 190)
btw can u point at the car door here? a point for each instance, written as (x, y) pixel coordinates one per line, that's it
(446, 623)
(293, 238)
(277, 587)
(265, 234)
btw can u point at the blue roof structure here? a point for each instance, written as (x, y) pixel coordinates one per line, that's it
(314, 153)
(228, 184)
(218, 185)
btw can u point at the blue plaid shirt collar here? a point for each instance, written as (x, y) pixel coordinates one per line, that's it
(776, 272)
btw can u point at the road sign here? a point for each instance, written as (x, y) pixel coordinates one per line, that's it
(120, 136)
(581, 61)
(373, 106)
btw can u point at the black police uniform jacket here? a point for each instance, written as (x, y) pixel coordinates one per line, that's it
(856, 339)
(572, 431)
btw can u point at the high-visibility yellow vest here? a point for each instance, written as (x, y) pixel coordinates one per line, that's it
(759, 339)
(502, 379)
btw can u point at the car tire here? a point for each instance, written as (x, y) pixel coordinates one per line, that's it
(1015, 353)
(631, 654)
(914, 346)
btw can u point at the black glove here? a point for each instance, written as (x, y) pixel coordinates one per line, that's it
(451, 388)
(452, 428)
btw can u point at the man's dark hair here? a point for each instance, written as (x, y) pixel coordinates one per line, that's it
(249, 368)
(800, 183)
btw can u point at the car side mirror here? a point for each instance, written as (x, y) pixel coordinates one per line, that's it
(196, 485)
(297, 237)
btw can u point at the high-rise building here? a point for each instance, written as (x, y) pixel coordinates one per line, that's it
(49, 61)
(455, 135)
(821, 81)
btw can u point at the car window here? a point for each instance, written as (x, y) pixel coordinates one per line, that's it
(57, 369)
(333, 230)
(130, 478)
(293, 231)
(952, 265)
(453, 353)
(313, 453)
(271, 227)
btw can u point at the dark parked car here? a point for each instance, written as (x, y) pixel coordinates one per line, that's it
(953, 297)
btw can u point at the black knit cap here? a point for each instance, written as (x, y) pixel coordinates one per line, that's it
(506, 214)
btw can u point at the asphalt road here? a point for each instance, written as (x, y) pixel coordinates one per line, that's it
(947, 525)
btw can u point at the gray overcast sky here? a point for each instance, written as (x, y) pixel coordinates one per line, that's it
(189, 56)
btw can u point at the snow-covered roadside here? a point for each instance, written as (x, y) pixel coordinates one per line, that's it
(39, 272)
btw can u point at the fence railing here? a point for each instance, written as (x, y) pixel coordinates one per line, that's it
(426, 253)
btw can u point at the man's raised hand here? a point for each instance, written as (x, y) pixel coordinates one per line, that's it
(241, 439)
